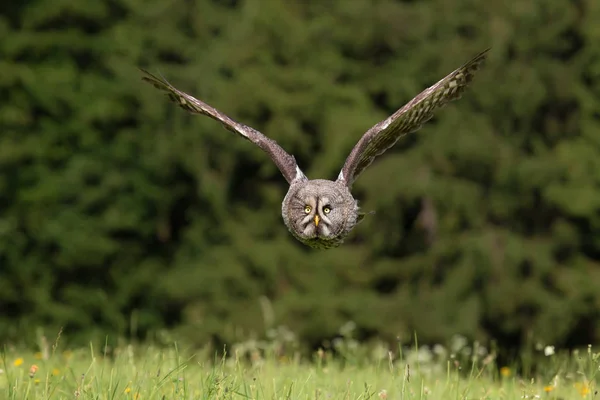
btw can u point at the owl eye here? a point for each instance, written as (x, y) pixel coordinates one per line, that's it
(326, 209)
(307, 209)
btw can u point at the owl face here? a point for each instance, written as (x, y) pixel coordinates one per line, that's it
(319, 212)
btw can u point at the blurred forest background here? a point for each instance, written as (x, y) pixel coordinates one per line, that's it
(121, 214)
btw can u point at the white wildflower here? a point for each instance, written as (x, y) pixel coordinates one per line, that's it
(457, 343)
(440, 351)
(347, 328)
(548, 351)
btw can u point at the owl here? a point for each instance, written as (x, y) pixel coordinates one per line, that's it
(319, 212)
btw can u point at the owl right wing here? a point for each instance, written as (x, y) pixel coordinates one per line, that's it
(408, 119)
(284, 161)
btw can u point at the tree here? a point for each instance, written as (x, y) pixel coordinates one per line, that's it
(122, 214)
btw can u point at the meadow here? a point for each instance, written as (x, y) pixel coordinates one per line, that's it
(272, 369)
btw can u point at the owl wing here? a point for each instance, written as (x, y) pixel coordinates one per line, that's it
(408, 119)
(284, 161)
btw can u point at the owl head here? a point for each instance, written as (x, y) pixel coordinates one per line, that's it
(319, 212)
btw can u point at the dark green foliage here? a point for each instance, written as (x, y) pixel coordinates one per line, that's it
(120, 212)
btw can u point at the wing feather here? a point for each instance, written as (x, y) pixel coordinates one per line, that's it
(284, 161)
(408, 119)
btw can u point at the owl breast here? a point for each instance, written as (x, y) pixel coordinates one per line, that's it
(319, 213)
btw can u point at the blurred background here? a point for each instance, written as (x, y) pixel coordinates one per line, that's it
(123, 215)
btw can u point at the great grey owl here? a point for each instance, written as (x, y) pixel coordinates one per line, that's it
(318, 212)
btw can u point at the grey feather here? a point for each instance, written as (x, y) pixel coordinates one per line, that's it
(408, 119)
(284, 161)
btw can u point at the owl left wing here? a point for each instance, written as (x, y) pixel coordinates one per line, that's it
(408, 119)
(284, 161)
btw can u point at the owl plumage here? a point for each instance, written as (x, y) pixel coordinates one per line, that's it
(318, 212)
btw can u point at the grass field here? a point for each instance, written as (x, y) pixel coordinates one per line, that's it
(252, 371)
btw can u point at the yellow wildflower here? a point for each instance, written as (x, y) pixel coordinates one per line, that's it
(55, 372)
(18, 362)
(36, 381)
(38, 355)
(127, 390)
(548, 388)
(505, 372)
(583, 388)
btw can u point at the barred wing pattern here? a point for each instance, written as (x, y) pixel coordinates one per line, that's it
(284, 161)
(408, 119)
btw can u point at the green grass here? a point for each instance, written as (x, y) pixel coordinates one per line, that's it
(253, 371)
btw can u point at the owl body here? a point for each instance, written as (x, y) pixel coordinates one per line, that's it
(321, 213)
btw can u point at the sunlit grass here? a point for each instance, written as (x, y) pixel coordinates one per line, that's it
(251, 372)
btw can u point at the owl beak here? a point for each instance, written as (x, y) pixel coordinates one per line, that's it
(317, 219)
